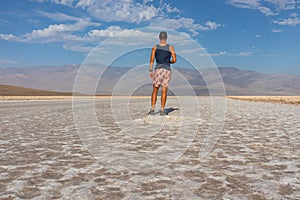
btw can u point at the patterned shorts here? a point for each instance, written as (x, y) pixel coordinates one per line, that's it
(162, 77)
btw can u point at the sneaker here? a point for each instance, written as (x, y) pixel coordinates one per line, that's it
(162, 113)
(151, 112)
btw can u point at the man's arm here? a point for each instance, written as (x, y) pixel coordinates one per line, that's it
(152, 58)
(174, 59)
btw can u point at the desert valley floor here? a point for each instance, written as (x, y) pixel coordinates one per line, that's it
(51, 149)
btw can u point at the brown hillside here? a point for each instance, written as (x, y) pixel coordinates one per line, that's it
(9, 90)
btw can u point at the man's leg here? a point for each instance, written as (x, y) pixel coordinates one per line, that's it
(164, 91)
(154, 97)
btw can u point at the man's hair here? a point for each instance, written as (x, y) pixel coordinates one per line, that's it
(163, 35)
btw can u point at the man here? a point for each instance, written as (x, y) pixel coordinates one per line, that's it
(164, 55)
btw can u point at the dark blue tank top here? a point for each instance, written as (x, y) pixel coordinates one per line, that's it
(163, 56)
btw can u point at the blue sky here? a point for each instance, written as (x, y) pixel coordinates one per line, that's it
(259, 35)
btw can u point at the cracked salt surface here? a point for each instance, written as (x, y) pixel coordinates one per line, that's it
(256, 154)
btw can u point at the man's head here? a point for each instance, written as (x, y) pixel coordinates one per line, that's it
(163, 35)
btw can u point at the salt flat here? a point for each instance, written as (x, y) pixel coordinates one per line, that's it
(274, 99)
(240, 150)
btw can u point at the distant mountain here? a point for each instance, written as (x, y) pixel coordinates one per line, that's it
(236, 81)
(59, 79)
(9, 90)
(241, 82)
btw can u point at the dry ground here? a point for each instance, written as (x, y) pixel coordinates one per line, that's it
(274, 99)
(295, 100)
(45, 156)
(58, 97)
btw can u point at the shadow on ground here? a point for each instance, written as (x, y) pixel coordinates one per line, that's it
(169, 110)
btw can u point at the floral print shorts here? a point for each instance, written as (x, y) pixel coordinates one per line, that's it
(162, 77)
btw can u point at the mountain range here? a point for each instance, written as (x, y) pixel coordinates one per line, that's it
(9, 90)
(236, 81)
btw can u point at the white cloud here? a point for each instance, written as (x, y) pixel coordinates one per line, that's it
(122, 10)
(209, 25)
(186, 23)
(283, 4)
(72, 30)
(244, 3)
(242, 54)
(58, 16)
(117, 10)
(252, 4)
(209, 54)
(84, 3)
(134, 38)
(191, 51)
(146, 1)
(115, 31)
(78, 48)
(66, 33)
(272, 8)
(264, 5)
(56, 30)
(8, 62)
(274, 30)
(8, 37)
(63, 2)
(171, 9)
(266, 11)
(224, 53)
(123, 37)
(288, 22)
(133, 11)
(53, 33)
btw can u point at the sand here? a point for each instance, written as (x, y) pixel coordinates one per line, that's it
(256, 155)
